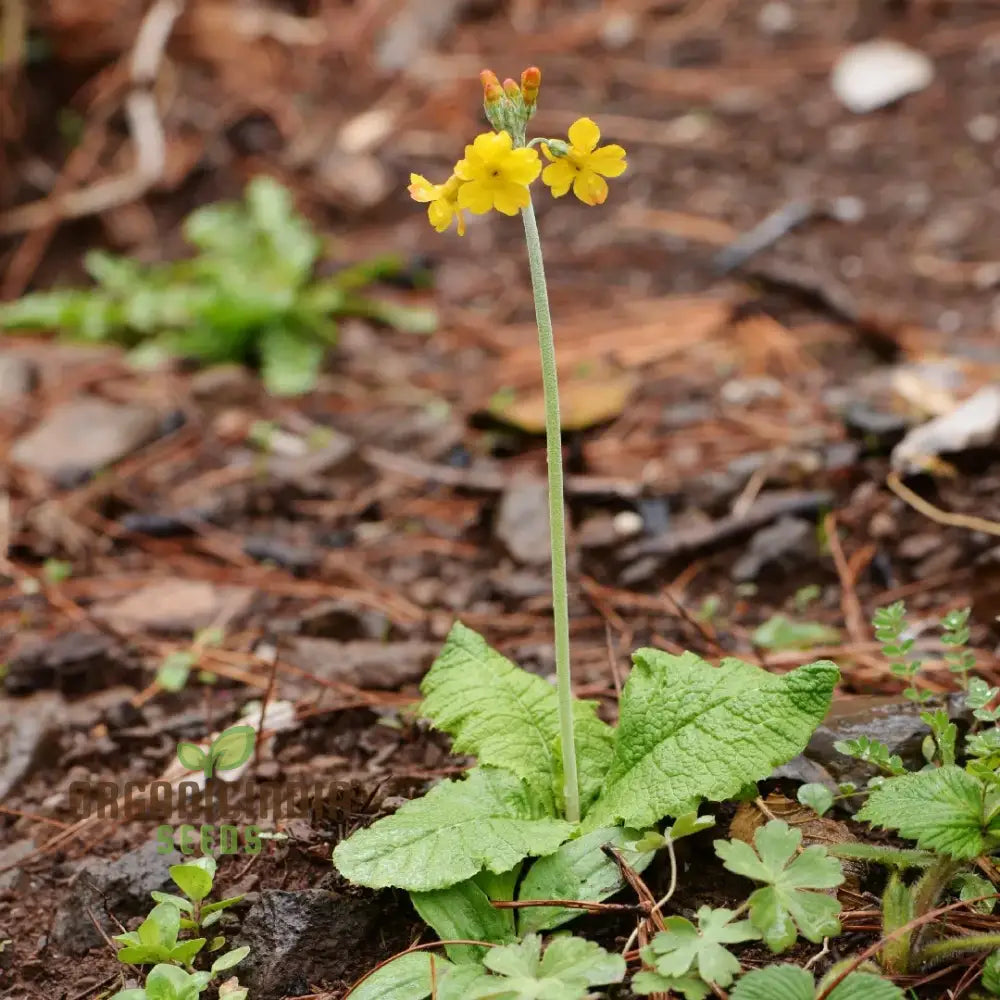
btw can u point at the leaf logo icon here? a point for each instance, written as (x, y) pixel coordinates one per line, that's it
(231, 748)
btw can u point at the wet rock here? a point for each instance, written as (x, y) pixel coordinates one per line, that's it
(879, 72)
(176, 606)
(18, 377)
(84, 435)
(778, 547)
(14, 854)
(120, 887)
(75, 663)
(893, 721)
(364, 664)
(28, 727)
(522, 522)
(302, 940)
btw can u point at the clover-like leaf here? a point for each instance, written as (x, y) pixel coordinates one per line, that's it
(194, 878)
(991, 973)
(567, 970)
(682, 949)
(942, 809)
(689, 731)
(509, 718)
(489, 820)
(689, 987)
(787, 901)
(231, 748)
(815, 796)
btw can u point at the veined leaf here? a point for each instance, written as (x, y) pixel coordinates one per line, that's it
(941, 809)
(406, 977)
(789, 982)
(509, 718)
(690, 731)
(489, 820)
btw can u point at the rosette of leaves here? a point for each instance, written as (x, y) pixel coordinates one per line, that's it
(248, 294)
(688, 732)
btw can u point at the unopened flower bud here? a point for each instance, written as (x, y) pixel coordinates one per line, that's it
(511, 89)
(488, 79)
(493, 93)
(531, 80)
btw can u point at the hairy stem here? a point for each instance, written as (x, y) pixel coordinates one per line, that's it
(557, 523)
(943, 951)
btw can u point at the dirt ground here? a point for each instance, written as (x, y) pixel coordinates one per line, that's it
(711, 406)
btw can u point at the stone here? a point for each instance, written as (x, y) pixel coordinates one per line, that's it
(877, 73)
(522, 522)
(778, 546)
(363, 663)
(300, 941)
(175, 606)
(83, 436)
(28, 727)
(120, 887)
(10, 856)
(18, 377)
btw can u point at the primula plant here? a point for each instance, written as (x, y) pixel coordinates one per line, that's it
(560, 803)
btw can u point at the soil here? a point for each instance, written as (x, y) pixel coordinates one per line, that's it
(790, 376)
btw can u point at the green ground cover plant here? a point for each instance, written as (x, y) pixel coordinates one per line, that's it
(163, 940)
(249, 294)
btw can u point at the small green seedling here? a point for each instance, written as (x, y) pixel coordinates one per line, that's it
(229, 750)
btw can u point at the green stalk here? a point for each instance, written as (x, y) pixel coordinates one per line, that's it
(557, 523)
(945, 950)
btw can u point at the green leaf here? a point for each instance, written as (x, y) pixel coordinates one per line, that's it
(290, 360)
(865, 986)
(682, 948)
(578, 870)
(230, 959)
(407, 977)
(689, 987)
(192, 756)
(815, 796)
(689, 731)
(776, 982)
(463, 911)
(194, 878)
(509, 718)
(941, 809)
(173, 674)
(222, 904)
(129, 995)
(970, 886)
(991, 973)
(488, 820)
(780, 632)
(786, 902)
(871, 752)
(232, 747)
(893, 857)
(184, 951)
(690, 824)
(168, 982)
(569, 967)
(161, 926)
(182, 904)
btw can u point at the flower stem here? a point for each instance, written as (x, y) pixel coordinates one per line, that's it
(557, 516)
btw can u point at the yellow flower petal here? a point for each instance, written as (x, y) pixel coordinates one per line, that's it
(608, 160)
(439, 212)
(459, 222)
(590, 188)
(522, 166)
(421, 188)
(559, 176)
(464, 168)
(584, 135)
(475, 197)
(491, 145)
(510, 198)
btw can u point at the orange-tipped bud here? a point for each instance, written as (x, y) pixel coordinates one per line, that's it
(488, 79)
(511, 89)
(493, 92)
(531, 80)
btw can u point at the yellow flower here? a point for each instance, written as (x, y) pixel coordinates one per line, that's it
(443, 201)
(496, 175)
(585, 165)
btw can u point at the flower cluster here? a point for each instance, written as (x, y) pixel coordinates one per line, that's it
(499, 167)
